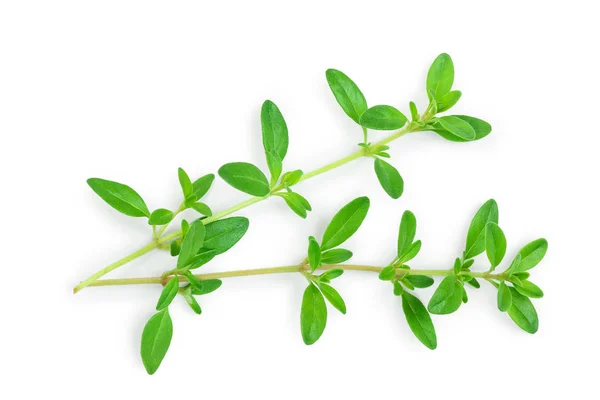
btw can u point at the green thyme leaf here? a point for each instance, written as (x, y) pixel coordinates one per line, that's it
(275, 137)
(174, 248)
(440, 77)
(203, 257)
(531, 255)
(201, 186)
(333, 297)
(448, 100)
(202, 209)
(447, 297)
(408, 284)
(347, 94)
(457, 127)
(335, 256)
(298, 204)
(475, 283)
(245, 177)
(292, 177)
(389, 178)
(476, 235)
(185, 227)
(419, 320)
(420, 281)
(521, 275)
(529, 289)
(185, 182)
(388, 273)
(465, 297)
(457, 266)
(331, 274)
(156, 339)
(345, 223)
(313, 315)
(186, 292)
(504, 297)
(414, 114)
(314, 254)
(398, 289)
(168, 294)
(192, 242)
(160, 216)
(523, 312)
(481, 128)
(383, 118)
(204, 286)
(495, 244)
(406, 232)
(411, 252)
(223, 234)
(120, 197)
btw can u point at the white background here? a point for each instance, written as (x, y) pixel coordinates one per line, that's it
(130, 91)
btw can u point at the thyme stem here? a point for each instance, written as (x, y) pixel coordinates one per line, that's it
(161, 240)
(282, 270)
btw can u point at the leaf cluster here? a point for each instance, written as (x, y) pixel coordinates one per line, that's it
(382, 117)
(313, 314)
(514, 287)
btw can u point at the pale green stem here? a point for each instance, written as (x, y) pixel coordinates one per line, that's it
(148, 248)
(286, 269)
(172, 236)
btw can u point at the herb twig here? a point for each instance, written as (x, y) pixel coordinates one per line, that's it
(159, 280)
(197, 242)
(166, 239)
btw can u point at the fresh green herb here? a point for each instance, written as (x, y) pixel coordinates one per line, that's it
(335, 256)
(120, 197)
(419, 320)
(345, 223)
(168, 294)
(161, 216)
(347, 94)
(389, 178)
(447, 297)
(313, 316)
(245, 177)
(156, 340)
(206, 237)
(275, 138)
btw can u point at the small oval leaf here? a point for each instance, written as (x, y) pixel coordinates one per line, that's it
(333, 297)
(245, 177)
(313, 315)
(448, 296)
(120, 197)
(419, 320)
(457, 127)
(383, 118)
(160, 216)
(347, 94)
(335, 256)
(389, 178)
(440, 77)
(156, 339)
(523, 313)
(476, 235)
(345, 223)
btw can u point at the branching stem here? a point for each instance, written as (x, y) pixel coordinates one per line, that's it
(162, 240)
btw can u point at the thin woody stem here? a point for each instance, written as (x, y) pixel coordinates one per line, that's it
(286, 269)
